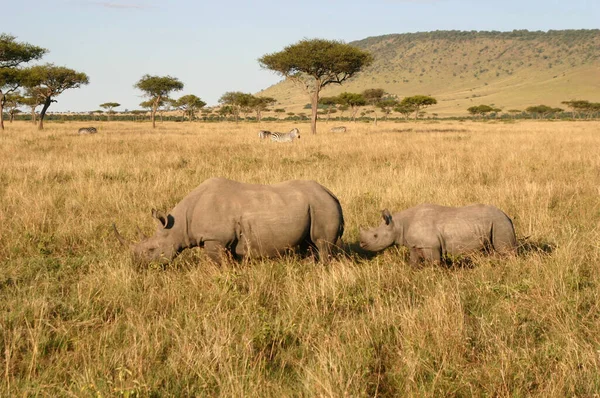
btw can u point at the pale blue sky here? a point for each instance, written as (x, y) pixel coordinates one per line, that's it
(213, 47)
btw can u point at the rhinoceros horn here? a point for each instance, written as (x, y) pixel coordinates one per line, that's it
(119, 237)
(140, 233)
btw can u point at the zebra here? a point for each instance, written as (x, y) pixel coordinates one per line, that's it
(87, 130)
(286, 137)
(262, 134)
(340, 129)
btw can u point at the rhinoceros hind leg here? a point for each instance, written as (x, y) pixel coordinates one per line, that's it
(324, 250)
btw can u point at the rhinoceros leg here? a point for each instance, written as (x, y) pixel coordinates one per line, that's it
(428, 254)
(216, 251)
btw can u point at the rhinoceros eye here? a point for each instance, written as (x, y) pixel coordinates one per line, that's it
(375, 236)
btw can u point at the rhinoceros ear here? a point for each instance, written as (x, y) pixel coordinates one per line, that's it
(160, 216)
(387, 216)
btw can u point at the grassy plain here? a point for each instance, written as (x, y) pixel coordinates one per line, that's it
(77, 318)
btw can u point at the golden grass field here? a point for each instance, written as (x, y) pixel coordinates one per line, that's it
(78, 318)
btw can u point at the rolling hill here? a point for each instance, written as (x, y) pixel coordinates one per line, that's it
(510, 70)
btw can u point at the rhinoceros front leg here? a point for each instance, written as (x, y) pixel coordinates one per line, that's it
(216, 251)
(428, 254)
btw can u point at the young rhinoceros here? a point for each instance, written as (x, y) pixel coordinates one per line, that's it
(246, 220)
(432, 232)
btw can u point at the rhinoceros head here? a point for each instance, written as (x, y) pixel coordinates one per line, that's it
(162, 247)
(378, 238)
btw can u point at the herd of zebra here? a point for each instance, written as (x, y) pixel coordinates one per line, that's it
(262, 134)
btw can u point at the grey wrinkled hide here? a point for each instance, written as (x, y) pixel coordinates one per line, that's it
(247, 220)
(432, 231)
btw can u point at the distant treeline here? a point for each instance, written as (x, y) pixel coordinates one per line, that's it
(332, 118)
(562, 36)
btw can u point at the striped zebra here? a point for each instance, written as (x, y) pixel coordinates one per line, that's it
(262, 134)
(286, 137)
(340, 129)
(87, 130)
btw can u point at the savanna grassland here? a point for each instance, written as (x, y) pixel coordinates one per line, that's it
(78, 318)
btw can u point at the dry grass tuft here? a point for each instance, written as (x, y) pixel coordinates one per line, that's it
(77, 318)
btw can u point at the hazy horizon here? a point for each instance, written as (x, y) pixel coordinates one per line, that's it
(213, 48)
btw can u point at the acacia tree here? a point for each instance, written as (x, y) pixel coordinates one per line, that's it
(109, 108)
(32, 100)
(480, 110)
(189, 104)
(352, 100)
(278, 112)
(260, 104)
(330, 104)
(12, 55)
(386, 105)
(12, 102)
(48, 81)
(157, 89)
(419, 102)
(373, 96)
(315, 64)
(404, 109)
(236, 100)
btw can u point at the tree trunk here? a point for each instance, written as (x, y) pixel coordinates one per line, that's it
(2, 101)
(153, 117)
(314, 101)
(33, 115)
(43, 112)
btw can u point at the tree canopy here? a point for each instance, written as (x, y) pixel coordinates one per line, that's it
(236, 100)
(157, 89)
(189, 104)
(353, 100)
(316, 63)
(13, 53)
(48, 81)
(109, 106)
(418, 102)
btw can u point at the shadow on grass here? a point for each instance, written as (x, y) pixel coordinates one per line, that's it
(353, 251)
(526, 246)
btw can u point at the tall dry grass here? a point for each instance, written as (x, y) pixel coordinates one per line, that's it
(78, 319)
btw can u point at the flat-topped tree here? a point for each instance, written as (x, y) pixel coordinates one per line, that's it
(236, 101)
(330, 104)
(419, 102)
(12, 55)
(373, 96)
(157, 89)
(49, 81)
(32, 101)
(315, 64)
(352, 100)
(12, 103)
(109, 106)
(260, 105)
(189, 104)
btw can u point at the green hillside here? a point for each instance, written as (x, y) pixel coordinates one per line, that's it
(511, 70)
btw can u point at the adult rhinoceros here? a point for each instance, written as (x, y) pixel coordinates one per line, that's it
(247, 220)
(432, 231)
